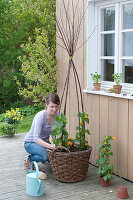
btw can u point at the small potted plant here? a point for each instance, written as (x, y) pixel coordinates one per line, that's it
(117, 78)
(96, 78)
(105, 169)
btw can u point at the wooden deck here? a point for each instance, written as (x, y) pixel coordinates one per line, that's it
(13, 173)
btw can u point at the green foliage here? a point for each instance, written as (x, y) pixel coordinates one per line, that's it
(61, 135)
(117, 78)
(8, 92)
(96, 77)
(39, 69)
(59, 132)
(81, 130)
(28, 110)
(105, 170)
(13, 116)
(2, 117)
(111, 90)
(19, 21)
(7, 129)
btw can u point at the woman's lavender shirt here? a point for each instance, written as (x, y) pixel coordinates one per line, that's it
(40, 128)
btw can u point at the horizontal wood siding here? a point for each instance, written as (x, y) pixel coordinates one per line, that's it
(107, 115)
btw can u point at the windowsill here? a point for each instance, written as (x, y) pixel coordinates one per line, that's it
(104, 93)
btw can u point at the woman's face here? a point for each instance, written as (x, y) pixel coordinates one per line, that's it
(52, 108)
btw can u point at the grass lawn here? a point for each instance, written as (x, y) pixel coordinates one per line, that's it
(26, 123)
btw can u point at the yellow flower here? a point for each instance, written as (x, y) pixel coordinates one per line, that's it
(71, 138)
(113, 138)
(87, 116)
(60, 144)
(105, 142)
(96, 156)
(106, 137)
(51, 139)
(80, 122)
(56, 136)
(86, 144)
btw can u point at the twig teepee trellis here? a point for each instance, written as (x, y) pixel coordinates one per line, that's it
(68, 31)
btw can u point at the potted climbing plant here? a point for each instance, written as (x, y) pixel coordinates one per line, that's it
(70, 159)
(105, 169)
(61, 136)
(96, 78)
(117, 78)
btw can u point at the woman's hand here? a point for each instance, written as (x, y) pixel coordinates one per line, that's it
(45, 144)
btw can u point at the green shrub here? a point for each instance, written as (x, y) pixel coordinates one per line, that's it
(7, 129)
(17, 104)
(2, 118)
(28, 110)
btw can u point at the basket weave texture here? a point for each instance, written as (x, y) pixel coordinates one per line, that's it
(69, 166)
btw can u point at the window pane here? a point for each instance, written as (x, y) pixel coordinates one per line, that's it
(128, 44)
(107, 70)
(108, 19)
(128, 71)
(108, 45)
(128, 16)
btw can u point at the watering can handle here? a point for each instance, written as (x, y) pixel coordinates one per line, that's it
(37, 170)
(36, 166)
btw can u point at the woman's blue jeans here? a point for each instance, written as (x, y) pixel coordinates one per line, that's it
(36, 151)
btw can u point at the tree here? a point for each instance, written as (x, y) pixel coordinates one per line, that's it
(39, 63)
(19, 20)
(39, 68)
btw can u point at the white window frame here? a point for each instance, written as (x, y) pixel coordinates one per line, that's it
(94, 46)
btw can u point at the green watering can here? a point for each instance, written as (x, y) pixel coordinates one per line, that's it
(35, 181)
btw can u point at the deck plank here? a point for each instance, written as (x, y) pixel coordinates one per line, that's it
(13, 174)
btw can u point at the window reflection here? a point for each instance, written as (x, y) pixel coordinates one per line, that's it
(128, 71)
(108, 15)
(128, 44)
(128, 16)
(108, 42)
(107, 70)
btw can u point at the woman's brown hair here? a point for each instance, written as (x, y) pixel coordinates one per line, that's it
(53, 97)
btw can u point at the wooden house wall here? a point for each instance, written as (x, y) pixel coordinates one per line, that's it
(108, 115)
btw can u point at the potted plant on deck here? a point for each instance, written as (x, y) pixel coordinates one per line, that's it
(105, 169)
(117, 78)
(70, 158)
(96, 78)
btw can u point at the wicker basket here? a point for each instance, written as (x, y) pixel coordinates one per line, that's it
(69, 166)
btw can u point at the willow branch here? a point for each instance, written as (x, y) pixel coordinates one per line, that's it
(85, 41)
(79, 85)
(66, 82)
(62, 35)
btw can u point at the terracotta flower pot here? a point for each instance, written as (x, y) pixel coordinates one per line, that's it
(103, 182)
(97, 86)
(117, 89)
(122, 193)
